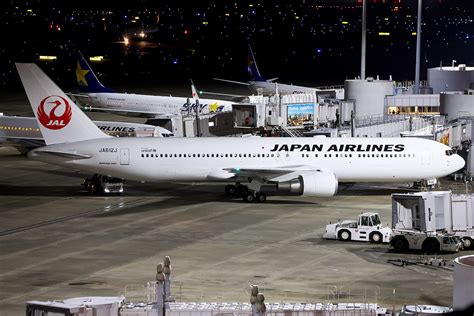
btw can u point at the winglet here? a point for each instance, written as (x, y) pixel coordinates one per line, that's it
(86, 78)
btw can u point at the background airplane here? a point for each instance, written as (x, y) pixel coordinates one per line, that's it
(302, 166)
(258, 84)
(98, 97)
(25, 131)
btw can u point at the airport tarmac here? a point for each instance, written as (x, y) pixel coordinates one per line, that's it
(57, 241)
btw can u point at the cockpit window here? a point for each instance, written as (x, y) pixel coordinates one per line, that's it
(450, 152)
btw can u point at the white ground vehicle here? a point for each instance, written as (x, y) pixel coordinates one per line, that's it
(430, 242)
(99, 184)
(367, 228)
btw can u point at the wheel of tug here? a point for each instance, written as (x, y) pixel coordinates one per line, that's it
(400, 243)
(230, 189)
(345, 235)
(430, 245)
(249, 198)
(467, 243)
(261, 197)
(376, 238)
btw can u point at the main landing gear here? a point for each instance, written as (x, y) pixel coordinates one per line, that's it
(247, 195)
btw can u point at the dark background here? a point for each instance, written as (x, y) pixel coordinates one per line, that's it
(301, 42)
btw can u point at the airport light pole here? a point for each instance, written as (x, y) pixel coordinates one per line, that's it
(416, 89)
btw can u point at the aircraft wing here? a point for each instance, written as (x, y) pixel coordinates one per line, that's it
(233, 81)
(279, 174)
(225, 94)
(146, 114)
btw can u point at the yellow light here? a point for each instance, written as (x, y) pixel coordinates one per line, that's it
(29, 10)
(413, 33)
(137, 18)
(142, 35)
(250, 5)
(45, 57)
(205, 22)
(345, 22)
(386, 19)
(384, 33)
(227, 14)
(96, 58)
(126, 40)
(297, 17)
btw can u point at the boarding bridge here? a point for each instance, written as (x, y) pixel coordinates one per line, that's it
(291, 111)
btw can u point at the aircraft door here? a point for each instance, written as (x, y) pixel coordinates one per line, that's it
(124, 156)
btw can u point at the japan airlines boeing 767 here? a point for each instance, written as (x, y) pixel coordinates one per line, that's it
(305, 166)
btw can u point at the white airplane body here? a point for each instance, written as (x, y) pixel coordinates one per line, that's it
(224, 158)
(305, 166)
(99, 97)
(152, 105)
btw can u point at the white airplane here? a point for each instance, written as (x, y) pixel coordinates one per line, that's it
(25, 130)
(259, 84)
(304, 166)
(99, 97)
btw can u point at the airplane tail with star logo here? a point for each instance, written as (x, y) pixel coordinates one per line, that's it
(86, 78)
(252, 68)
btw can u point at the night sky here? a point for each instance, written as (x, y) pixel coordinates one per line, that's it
(307, 42)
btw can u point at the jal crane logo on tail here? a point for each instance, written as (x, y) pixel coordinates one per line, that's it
(54, 112)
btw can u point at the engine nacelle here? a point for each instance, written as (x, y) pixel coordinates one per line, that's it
(311, 183)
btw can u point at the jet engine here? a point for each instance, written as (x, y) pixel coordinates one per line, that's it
(320, 183)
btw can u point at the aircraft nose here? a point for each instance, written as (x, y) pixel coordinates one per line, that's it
(457, 162)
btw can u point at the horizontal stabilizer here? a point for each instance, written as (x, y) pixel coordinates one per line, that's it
(63, 154)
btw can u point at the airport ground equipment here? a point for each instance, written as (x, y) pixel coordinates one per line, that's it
(435, 211)
(429, 242)
(368, 227)
(100, 184)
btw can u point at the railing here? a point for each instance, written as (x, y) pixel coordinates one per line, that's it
(291, 132)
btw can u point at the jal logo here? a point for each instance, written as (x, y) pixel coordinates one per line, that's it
(54, 112)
